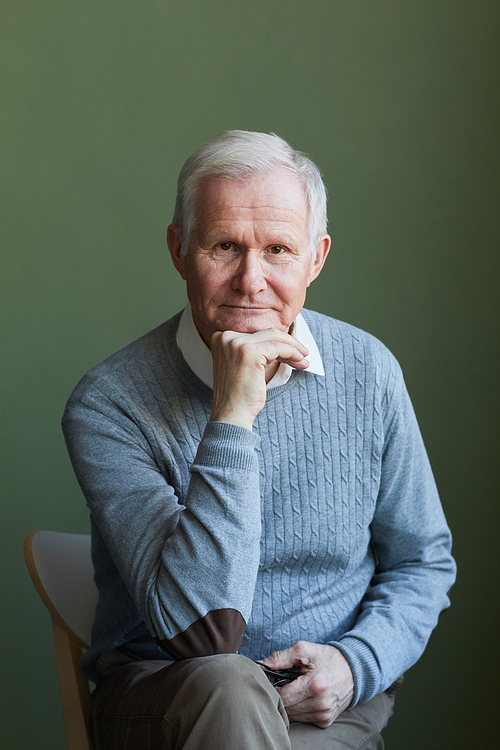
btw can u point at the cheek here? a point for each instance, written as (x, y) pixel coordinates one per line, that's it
(292, 290)
(203, 287)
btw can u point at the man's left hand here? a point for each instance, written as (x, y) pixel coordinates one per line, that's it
(322, 691)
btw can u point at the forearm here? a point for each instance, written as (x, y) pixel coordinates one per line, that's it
(396, 620)
(178, 563)
(209, 564)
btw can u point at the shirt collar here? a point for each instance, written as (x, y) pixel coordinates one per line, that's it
(199, 358)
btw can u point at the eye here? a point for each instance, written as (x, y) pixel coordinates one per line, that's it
(225, 245)
(276, 250)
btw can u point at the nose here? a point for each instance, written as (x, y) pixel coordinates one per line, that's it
(249, 277)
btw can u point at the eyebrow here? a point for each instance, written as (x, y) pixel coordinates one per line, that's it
(214, 237)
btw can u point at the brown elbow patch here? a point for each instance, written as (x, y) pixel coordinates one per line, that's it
(218, 632)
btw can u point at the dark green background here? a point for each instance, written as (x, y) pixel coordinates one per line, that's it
(398, 102)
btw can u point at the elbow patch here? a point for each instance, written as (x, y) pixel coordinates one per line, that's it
(218, 632)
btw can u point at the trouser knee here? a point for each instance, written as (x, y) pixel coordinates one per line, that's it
(224, 701)
(225, 677)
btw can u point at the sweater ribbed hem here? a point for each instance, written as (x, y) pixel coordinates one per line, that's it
(364, 667)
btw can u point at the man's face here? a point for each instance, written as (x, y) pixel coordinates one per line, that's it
(249, 259)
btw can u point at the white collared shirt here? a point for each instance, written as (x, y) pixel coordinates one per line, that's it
(199, 357)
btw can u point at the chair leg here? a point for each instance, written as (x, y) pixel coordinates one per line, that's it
(75, 692)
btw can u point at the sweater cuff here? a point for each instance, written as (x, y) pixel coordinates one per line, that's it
(229, 446)
(364, 667)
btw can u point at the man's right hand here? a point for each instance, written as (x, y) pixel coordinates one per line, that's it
(243, 363)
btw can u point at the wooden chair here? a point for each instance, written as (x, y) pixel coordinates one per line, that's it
(61, 569)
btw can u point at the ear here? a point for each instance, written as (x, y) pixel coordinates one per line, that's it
(174, 242)
(322, 250)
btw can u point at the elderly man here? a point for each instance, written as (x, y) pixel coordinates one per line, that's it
(258, 488)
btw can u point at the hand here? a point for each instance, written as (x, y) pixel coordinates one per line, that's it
(323, 690)
(241, 363)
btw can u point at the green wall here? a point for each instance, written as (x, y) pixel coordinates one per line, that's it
(398, 102)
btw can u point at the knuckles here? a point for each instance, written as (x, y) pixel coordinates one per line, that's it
(244, 350)
(246, 345)
(275, 333)
(224, 337)
(319, 687)
(325, 723)
(323, 705)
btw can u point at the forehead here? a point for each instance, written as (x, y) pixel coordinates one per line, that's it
(277, 198)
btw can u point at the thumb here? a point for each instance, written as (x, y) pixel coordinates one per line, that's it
(280, 659)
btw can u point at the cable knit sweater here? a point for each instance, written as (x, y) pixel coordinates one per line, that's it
(323, 523)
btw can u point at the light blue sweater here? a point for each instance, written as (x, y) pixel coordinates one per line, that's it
(322, 524)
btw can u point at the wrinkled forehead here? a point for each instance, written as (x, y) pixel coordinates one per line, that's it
(274, 196)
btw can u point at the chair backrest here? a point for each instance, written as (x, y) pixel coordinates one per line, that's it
(61, 569)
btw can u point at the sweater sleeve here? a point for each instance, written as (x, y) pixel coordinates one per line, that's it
(190, 569)
(415, 569)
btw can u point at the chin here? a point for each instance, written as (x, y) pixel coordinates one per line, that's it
(249, 323)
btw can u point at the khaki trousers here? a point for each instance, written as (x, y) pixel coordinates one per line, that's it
(222, 702)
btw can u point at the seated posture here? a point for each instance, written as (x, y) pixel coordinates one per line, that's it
(258, 488)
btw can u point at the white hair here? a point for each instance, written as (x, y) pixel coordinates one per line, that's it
(238, 154)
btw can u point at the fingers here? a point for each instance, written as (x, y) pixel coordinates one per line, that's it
(308, 692)
(272, 345)
(314, 698)
(297, 655)
(324, 689)
(320, 708)
(322, 719)
(277, 351)
(269, 336)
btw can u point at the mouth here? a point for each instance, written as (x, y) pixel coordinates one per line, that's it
(245, 307)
